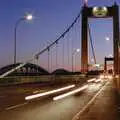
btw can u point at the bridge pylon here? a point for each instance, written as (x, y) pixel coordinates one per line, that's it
(100, 12)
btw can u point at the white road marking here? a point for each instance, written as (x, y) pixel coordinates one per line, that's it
(76, 117)
(16, 106)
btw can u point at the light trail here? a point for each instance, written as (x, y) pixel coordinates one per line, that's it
(106, 76)
(88, 105)
(70, 93)
(98, 80)
(91, 80)
(102, 76)
(49, 92)
(110, 77)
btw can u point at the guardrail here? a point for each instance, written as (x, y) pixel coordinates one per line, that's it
(52, 79)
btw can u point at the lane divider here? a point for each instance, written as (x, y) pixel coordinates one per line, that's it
(49, 92)
(76, 117)
(16, 106)
(70, 93)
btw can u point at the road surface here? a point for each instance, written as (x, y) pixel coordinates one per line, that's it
(15, 107)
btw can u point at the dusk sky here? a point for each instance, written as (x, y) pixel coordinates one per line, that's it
(51, 18)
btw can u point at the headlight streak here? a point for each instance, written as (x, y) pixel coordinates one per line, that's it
(70, 93)
(102, 76)
(91, 80)
(110, 77)
(117, 76)
(49, 92)
(106, 76)
(98, 80)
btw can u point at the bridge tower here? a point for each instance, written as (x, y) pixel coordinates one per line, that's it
(105, 62)
(100, 12)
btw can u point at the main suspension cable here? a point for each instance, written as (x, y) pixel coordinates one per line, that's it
(61, 36)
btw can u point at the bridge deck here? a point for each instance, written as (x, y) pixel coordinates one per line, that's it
(105, 107)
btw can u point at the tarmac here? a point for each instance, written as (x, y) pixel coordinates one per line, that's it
(106, 106)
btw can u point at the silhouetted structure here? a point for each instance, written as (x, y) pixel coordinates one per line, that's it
(61, 72)
(28, 69)
(105, 62)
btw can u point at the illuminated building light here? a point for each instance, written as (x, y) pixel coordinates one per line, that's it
(97, 65)
(100, 11)
(49, 92)
(70, 93)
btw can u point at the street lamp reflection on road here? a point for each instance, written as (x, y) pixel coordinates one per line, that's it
(26, 17)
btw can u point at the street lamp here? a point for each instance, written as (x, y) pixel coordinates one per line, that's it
(27, 17)
(77, 50)
(107, 38)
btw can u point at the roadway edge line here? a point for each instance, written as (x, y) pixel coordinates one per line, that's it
(86, 107)
(16, 106)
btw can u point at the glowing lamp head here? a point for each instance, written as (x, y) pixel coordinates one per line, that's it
(100, 11)
(29, 17)
(77, 50)
(107, 38)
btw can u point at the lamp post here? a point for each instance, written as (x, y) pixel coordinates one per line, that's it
(77, 50)
(27, 17)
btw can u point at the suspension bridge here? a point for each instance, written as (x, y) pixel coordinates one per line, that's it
(35, 85)
(61, 51)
